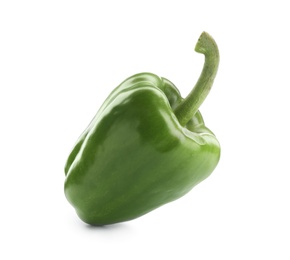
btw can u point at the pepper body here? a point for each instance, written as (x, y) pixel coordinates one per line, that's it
(135, 156)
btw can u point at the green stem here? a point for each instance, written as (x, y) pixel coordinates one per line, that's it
(190, 105)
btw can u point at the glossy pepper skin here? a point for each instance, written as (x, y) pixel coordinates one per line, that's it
(145, 147)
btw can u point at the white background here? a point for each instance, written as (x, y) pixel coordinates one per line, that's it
(59, 60)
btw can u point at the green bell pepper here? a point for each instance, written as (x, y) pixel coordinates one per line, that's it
(145, 147)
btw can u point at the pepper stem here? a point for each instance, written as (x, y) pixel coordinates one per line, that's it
(190, 105)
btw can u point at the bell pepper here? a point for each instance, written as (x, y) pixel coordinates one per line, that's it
(145, 147)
